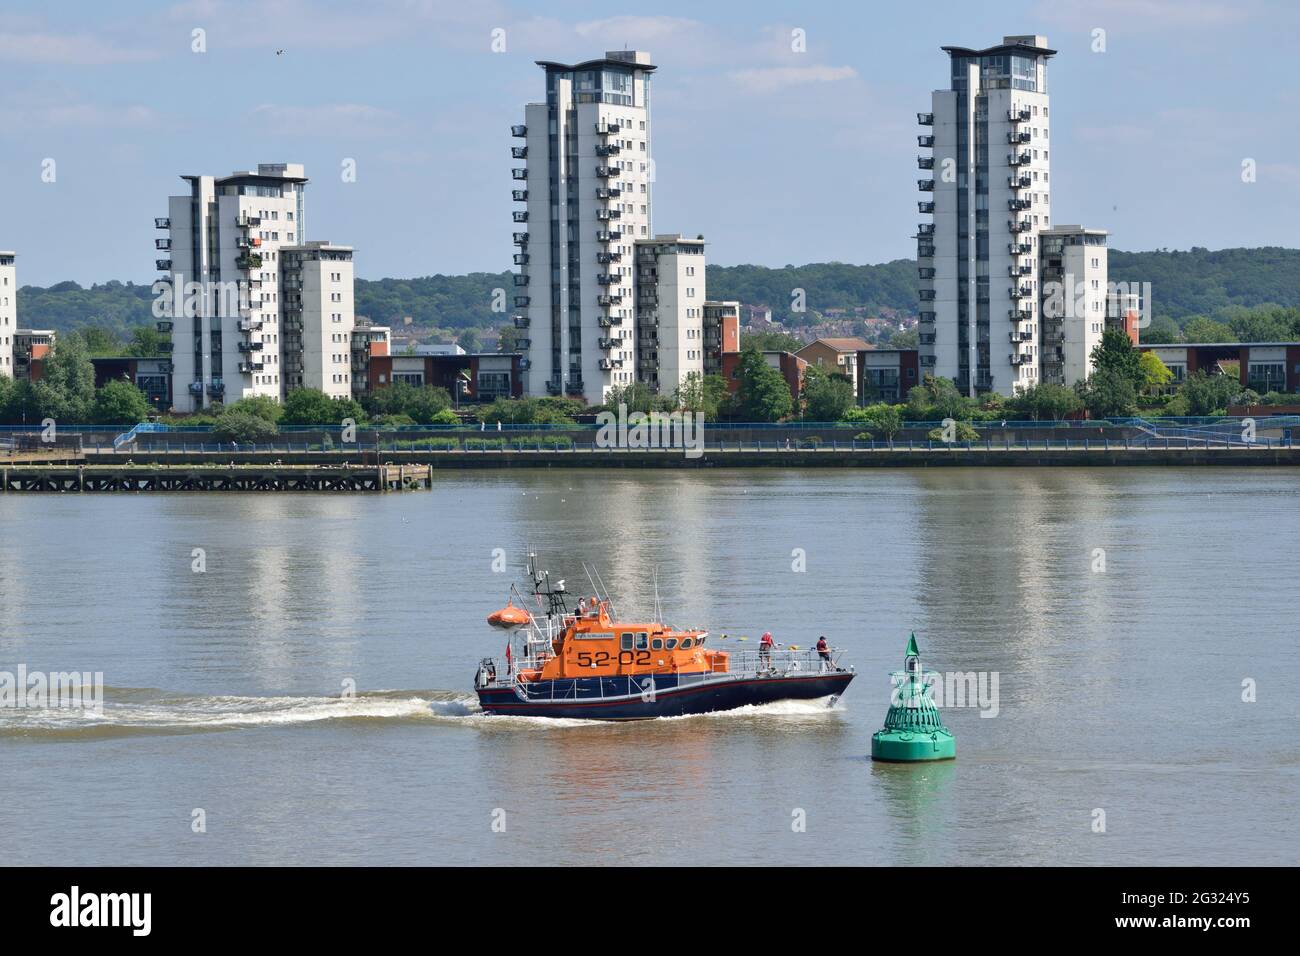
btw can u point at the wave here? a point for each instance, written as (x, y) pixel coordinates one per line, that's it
(148, 711)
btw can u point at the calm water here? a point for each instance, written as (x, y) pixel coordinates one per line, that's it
(1118, 689)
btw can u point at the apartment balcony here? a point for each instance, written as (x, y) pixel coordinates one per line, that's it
(519, 195)
(1017, 116)
(925, 251)
(608, 192)
(162, 245)
(520, 238)
(521, 280)
(522, 301)
(293, 285)
(166, 346)
(609, 149)
(925, 185)
(250, 325)
(925, 229)
(925, 207)
(925, 272)
(518, 173)
(1023, 292)
(1019, 159)
(248, 368)
(1025, 270)
(248, 262)
(245, 221)
(925, 141)
(1020, 315)
(925, 162)
(250, 346)
(606, 344)
(1014, 138)
(1017, 337)
(163, 265)
(1020, 358)
(607, 278)
(925, 119)
(523, 343)
(609, 299)
(1023, 225)
(519, 215)
(196, 388)
(928, 361)
(604, 215)
(611, 235)
(607, 128)
(162, 222)
(609, 321)
(1020, 249)
(926, 318)
(926, 338)
(607, 363)
(521, 258)
(606, 172)
(1019, 182)
(521, 321)
(926, 295)
(1017, 204)
(604, 258)
(164, 325)
(518, 152)
(519, 130)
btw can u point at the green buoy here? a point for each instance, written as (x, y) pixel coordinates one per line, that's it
(913, 728)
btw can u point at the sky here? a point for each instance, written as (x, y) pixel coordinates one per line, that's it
(777, 155)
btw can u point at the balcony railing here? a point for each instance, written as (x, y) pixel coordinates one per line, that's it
(925, 141)
(926, 295)
(521, 301)
(521, 258)
(925, 162)
(604, 258)
(520, 238)
(1019, 182)
(608, 300)
(521, 321)
(925, 185)
(521, 280)
(925, 273)
(925, 229)
(519, 195)
(606, 127)
(1017, 116)
(518, 152)
(519, 173)
(925, 207)
(162, 245)
(519, 215)
(248, 368)
(612, 235)
(1014, 138)
(1018, 159)
(163, 265)
(164, 325)
(609, 149)
(250, 346)
(605, 172)
(925, 119)
(162, 222)
(605, 215)
(519, 130)
(608, 192)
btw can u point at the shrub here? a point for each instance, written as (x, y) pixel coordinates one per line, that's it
(963, 432)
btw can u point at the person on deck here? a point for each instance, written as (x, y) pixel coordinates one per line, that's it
(765, 648)
(824, 650)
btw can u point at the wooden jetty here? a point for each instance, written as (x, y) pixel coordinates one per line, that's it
(235, 477)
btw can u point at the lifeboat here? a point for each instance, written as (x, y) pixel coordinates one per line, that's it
(509, 617)
(587, 662)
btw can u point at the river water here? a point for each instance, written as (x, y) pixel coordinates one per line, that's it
(1123, 612)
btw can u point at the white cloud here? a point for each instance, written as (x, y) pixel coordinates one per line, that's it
(771, 79)
(66, 49)
(326, 119)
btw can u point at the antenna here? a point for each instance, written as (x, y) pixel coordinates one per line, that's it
(606, 590)
(658, 616)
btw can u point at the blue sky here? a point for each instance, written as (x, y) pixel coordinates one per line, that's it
(776, 156)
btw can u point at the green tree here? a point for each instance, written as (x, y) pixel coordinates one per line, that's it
(244, 427)
(1201, 329)
(507, 336)
(827, 396)
(1115, 353)
(885, 419)
(66, 390)
(263, 406)
(771, 341)
(1155, 374)
(1162, 331)
(763, 395)
(146, 341)
(119, 402)
(468, 340)
(310, 406)
(1207, 394)
(1108, 393)
(1044, 402)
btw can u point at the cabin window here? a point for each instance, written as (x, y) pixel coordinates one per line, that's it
(626, 643)
(686, 642)
(657, 644)
(672, 642)
(641, 640)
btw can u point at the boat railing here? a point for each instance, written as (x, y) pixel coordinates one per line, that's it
(741, 664)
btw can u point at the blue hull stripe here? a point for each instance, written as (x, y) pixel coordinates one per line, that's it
(668, 701)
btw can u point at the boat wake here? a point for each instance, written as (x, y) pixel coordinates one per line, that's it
(133, 711)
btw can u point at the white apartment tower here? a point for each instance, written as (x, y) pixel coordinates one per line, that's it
(8, 312)
(1074, 302)
(256, 309)
(987, 185)
(318, 318)
(584, 198)
(669, 311)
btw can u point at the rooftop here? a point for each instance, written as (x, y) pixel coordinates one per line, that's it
(852, 344)
(1032, 44)
(617, 58)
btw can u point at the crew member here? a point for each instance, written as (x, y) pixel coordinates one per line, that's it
(765, 647)
(824, 649)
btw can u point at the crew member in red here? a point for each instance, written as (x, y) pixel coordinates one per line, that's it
(824, 649)
(765, 647)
